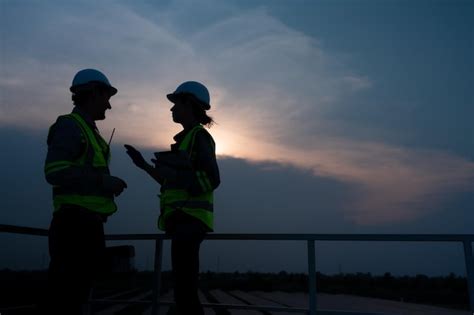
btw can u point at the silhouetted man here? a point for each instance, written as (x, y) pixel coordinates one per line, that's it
(83, 194)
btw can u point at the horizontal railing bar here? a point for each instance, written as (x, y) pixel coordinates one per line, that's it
(347, 237)
(23, 230)
(310, 237)
(272, 237)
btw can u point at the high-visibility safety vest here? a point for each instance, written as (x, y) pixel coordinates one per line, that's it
(96, 156)
(199, 206)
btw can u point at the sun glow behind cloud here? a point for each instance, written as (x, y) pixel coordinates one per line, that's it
(394, 184)
(271, 87)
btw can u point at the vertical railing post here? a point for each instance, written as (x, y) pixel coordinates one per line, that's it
(312, 277)
(155, 296)
(469, 271)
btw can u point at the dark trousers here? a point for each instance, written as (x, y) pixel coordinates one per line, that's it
(77, 249)
(186, 239)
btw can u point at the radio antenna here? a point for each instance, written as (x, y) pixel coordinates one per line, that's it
(111, 136)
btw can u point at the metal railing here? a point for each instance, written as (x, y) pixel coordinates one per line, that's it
(465, 239)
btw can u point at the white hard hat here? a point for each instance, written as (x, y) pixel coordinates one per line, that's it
(87, 76)
(197, 89)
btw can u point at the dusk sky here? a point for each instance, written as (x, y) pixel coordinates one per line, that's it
(336, 116)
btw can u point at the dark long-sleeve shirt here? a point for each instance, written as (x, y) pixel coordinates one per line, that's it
(66, 142)
(204, 175)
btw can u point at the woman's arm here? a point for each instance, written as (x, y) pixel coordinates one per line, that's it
(154, 173)
(205, 175)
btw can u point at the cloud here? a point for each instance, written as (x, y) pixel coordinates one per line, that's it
(254, 197)
(393, 184)
(357, 83)
(255, 66)
(272, 74)
(272, 88)
(58, 39)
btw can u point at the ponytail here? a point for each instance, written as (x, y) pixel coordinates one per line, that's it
(199, 112)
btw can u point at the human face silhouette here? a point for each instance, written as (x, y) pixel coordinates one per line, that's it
(182, 112)
(102, 103)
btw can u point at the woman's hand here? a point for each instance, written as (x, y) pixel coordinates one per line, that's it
(136, 156)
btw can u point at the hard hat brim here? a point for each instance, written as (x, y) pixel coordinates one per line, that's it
(172, 97)
(112, 90)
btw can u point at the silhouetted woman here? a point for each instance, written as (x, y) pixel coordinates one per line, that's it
(188, 175)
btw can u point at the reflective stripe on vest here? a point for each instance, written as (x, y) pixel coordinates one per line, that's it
(200, 206)
(95, 156)
(57, 166)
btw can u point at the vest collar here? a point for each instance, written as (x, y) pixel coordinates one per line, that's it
(180, 136)
(84, 116)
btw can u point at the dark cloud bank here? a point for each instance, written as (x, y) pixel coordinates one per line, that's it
(264, 197)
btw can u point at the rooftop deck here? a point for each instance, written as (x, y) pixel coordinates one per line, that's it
(278, 302)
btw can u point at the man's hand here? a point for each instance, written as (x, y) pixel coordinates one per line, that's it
(136, 156)
(113, 185)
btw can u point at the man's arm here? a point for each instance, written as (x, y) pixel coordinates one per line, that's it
(66, 143)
